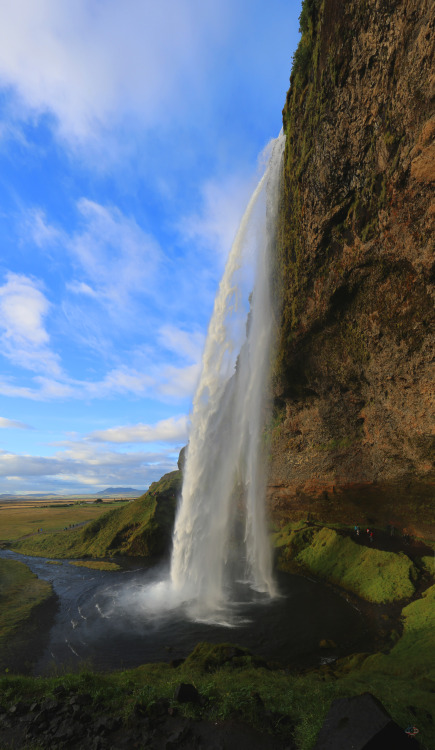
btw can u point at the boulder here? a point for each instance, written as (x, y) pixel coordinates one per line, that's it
(361, 723)
(186, 693)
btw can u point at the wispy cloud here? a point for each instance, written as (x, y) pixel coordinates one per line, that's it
(87, 465)
(99, 63)
(25, 341)
(186, 344)
(215, 225)
(112, 257)
(113, 253)
(13, 424)
(172, 430)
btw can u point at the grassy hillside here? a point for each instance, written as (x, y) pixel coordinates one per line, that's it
(377, 575)
(21, 592)
(143, 527)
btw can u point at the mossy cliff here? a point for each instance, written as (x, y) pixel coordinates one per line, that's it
(354, 268)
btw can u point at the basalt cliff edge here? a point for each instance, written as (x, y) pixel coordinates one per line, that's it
(353, 425)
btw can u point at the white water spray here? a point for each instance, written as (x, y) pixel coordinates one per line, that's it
(224, 468)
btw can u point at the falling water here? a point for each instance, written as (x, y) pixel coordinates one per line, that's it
(224, 471)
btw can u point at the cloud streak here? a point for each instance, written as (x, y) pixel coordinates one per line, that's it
(86, 465)
(13, 424)
(24, 339)
(100, 63)
(172, 430)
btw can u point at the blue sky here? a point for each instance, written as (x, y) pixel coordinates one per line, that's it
(130, 136)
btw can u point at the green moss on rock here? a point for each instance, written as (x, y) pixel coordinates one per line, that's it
(373, 574)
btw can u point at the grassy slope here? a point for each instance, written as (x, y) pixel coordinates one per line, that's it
(20, 592)
(96, 565)
(142, 527)
(373, 574)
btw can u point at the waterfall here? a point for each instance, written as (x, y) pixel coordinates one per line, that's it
(224, 477)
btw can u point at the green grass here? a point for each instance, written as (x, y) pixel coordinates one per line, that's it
(373, 574)
(142, 527)
(96, 565)
(20, 592)
(20, 519)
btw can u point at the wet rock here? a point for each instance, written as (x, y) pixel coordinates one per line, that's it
(179, 736)
(105, 725)
(18, 709)
(186, 693)
(51, 706)
(82, 699)
(327, 643)
(176, 663)
(60, 691)
(361, 723)
(159, 708)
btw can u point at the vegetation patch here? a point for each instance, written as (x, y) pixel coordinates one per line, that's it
(21, 591)
(373, 574)
(428, 564)
(96, 565)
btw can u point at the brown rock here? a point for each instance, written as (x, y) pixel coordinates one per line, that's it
(355, 269)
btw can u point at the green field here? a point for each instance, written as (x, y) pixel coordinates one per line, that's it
(18, 520)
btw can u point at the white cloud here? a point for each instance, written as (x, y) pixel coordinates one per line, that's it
(172, 430)
(113, 253)
(40, 230)
(223, 205)
(24, 339)
(118, 381)
(13, 424)
(87, 465)
(113, 258)
(86, 62)
(179, 382)
(121, 380)
(187, 344)
(79, 287)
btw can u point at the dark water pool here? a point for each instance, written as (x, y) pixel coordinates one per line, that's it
(103, 621)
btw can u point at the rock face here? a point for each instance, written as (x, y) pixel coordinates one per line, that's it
(355, 267)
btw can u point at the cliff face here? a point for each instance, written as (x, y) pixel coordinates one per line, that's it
(354, 379)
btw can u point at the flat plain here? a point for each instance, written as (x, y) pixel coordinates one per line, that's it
(23, 518)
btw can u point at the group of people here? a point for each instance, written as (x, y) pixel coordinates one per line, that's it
(368, 531)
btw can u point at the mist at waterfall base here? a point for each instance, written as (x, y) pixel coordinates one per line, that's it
(220, 537)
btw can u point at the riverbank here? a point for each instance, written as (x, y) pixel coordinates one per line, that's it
(27, 607)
